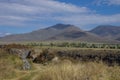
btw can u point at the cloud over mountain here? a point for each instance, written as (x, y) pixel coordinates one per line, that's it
(40, 12)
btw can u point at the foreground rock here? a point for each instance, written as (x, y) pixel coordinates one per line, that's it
(109, 57)
(23, 54)
(44, 57)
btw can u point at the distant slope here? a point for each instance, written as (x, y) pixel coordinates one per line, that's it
(77, 35)
(42, 34)
(107, 31)
(118, 39)
(59, 32)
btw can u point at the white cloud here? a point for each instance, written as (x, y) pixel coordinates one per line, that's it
(4, 34)
(57, 6)
(90, 19)
(107, 2)
(41, 12)
(22, 11)
(114, 2)
(39, 6)
(7, 33)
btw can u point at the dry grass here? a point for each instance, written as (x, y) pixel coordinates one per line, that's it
(79, 71)
(70, 71)
(8, 65)
(63, 70)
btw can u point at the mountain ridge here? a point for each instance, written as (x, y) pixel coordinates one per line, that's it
(107, 31)
(61, 32)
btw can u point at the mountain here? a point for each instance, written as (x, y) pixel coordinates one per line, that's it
(57, 32)
(78, 35)
(37, 35)
(118, 39)
(107, 31)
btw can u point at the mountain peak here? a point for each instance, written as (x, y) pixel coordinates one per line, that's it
(106, 28)
(107, 31)
(61, 26)
(67, 32)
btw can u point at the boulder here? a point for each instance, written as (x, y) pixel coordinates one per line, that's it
(26, 64)
(23, 54)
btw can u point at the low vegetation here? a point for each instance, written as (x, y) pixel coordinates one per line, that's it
(79, 71)
(50, 62)
(8, 65)
(76, 45)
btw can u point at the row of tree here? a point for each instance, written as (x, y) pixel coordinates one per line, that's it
(77, 45)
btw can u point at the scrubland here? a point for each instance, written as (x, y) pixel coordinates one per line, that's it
(65, 68)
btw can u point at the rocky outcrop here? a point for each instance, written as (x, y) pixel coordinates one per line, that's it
(23, 54)
(26, 64)
(22, 51)
(45, 56)
(109, 57)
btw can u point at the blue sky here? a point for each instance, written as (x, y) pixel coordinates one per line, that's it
(21, 16)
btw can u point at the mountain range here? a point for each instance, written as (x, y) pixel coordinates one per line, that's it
(62, 32)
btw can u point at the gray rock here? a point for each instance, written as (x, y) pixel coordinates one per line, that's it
(26, 64)
(23, 54)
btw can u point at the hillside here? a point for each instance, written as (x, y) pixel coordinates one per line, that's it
(107, 31)
(58, 31)
(37, 35)
(67, 32)
(76, 35)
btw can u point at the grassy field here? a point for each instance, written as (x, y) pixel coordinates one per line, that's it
(11, 66)
(65, 70)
